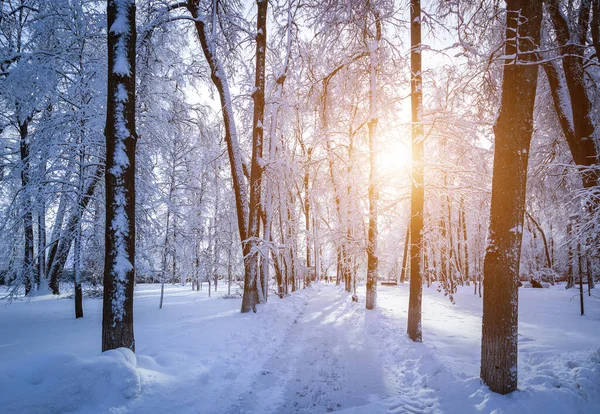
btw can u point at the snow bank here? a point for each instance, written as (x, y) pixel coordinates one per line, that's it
(60, 382)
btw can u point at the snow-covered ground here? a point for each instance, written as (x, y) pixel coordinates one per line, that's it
(313, 352)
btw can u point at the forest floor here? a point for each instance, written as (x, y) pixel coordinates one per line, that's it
(315, 351)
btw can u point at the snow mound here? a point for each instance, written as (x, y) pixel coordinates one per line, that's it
(61, 382)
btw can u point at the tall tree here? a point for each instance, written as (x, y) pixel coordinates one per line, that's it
(417, 193)
(252, 292)
(121, 138)
(25, 145)
(513, 130)
(372, 251)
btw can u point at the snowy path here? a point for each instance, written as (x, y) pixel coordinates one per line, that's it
(326, 363)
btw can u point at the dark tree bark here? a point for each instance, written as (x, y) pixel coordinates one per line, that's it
(278, 273)
(347, 270)
(513, 130)
(307, 206)
(570, 277)
(41, 225)
(252, 295)
(579, 132)
(580, 274)
(544, 240)
(403, 272)
(77, 272)
(417, 193)
(77, 247)
(78, 301)
(24, 144)
(291, 249)
(121, 138)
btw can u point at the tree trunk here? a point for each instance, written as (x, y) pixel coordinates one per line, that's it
(267, 227)
(580, 274)
(405, 259)
(513, 130)
(119, 259)
(60, 250)
(417, 194)
(197, 268)
(229, 273)
(465, 240)
(77, 271)
(544, 240)
(289, 241)
(54, 242)
(28, 271)
(77, 247)
(166, 244)
(444, 262)
(174, 252)
(347, 261)
(41, 216)
(372, 252)
(164, 260)
(570, 278)
(251, 294)
(307, 211)
(579, 132)
(454, 265)
(590, 277)
(426, 268)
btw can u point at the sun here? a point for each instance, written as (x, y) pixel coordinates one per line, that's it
(394, 156)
